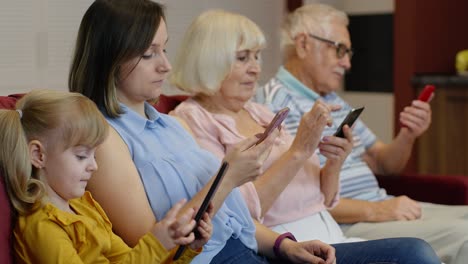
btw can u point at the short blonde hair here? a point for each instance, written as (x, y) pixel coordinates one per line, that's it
(312, 18)
(57, 119)
(208, 50)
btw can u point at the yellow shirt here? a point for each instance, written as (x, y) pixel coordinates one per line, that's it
(50, 235)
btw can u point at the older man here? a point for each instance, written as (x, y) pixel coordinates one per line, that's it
(317, 52)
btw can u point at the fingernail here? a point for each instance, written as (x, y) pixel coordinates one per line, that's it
(325, 139)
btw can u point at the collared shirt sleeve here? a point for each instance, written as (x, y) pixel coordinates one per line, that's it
(148, 249)
(45, 242)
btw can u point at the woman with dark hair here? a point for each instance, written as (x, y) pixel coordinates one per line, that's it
(149, 161)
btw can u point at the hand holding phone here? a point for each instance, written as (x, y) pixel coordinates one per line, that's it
(276, 122)
(204, 205)
(426, 93)
(349, 120)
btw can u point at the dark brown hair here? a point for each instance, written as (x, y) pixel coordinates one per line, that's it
(111, 33)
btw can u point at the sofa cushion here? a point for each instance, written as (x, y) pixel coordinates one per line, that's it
(9, 102)
(167, 103)
(6, 102)
(5, 225)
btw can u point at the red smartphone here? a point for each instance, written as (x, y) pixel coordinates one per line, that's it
(426, 93)
(276, 122)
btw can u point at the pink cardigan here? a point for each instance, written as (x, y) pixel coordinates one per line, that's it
(217, 133)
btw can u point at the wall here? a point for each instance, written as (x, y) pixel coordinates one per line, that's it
(180, 14)
(37, 42)
(38, 36)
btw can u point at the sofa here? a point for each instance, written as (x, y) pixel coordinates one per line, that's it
(442, 189)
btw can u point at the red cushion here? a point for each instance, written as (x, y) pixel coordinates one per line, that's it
(5, 225)
(6, 102)
(9, 102)
(167, 103)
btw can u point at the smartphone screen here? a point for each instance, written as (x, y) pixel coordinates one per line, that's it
(205, 204)
(276, 122)
(349, 120)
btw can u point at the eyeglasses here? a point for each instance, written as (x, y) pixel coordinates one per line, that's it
(341, 48)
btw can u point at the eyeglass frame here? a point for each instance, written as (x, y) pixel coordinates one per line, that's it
(341, 49)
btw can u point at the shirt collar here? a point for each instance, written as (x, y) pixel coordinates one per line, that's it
(139, 123)
(293, 84)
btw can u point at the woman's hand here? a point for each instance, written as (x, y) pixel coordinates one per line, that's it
(175, 230)
(246, 159)
(311, 127)
(313, 251)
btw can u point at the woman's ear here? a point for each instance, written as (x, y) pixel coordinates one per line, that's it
(37, 153)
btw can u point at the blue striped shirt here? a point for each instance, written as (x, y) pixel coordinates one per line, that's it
(356, 178)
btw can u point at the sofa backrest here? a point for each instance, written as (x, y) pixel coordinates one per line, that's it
(6, 212)
(5, 225)
(167, 103)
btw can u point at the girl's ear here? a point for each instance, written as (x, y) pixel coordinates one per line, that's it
(37, 153)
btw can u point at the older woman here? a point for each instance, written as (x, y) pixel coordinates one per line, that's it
(219, 64)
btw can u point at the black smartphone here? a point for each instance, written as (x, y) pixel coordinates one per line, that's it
(349, 120)
(276, 122)
(204, 205)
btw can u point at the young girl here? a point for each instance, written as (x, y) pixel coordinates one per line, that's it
(47, 157)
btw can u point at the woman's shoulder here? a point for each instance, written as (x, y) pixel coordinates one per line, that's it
(193, 114)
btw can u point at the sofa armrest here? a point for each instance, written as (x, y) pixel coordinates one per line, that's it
(440, 189)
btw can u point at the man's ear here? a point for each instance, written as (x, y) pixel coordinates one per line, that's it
(37, 153)
(300, 42)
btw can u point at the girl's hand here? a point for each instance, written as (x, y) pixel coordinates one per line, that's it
(173, 230)
(204, 229)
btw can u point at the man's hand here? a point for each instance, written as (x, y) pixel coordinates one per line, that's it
(396, 209)
(313, 251)
(335, 148)
(416, 118)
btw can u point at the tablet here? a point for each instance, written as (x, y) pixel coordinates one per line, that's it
(204, 205)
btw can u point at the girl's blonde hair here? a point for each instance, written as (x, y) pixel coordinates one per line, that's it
(208, 50)
(56, 119)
